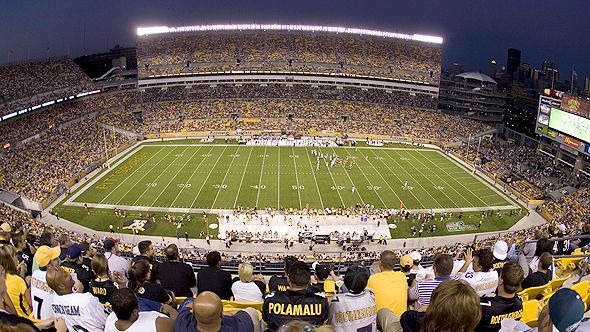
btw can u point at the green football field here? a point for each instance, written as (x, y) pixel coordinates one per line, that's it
(187, 178)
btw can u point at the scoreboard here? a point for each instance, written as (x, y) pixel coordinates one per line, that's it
(565, 120)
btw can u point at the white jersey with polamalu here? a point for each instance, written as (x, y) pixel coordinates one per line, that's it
(41, 295)
(81, 311)
(483, 282)
(353, 312)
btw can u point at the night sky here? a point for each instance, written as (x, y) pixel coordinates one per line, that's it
(475, 31)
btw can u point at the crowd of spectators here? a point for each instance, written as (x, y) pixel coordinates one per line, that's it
(31, 79)
(531, 173)
(324, 53)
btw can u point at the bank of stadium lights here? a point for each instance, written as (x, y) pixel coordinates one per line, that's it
(144, 31)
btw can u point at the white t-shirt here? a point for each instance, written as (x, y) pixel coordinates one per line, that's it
(420, 272)
(117, 263)
(246, 292)
(146, 322)
(41, 295)
(483, 282)
(353, 312)
(81, 311)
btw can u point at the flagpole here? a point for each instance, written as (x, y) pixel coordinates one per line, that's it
(572, 87)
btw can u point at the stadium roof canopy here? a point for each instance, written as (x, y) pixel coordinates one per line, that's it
(144, 31)
(473, 75)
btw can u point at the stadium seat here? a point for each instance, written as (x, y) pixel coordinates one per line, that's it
(566, 265)
(556, 284)
(530, 313)
(545, 300)
(582, 288)
(533, 293)
(180, 299)
(233, 305)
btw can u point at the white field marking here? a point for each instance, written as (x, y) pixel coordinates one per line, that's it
(279, 181)
(297, 178)
(427, 178)
(336, 186)
(260, 178)
(175, 176)
(341, 147)
(369, 181)
(208, 175)
(314, 178)
(461, 184)
(397, 177)
(129, 176)
(141, 179)
(189, 179)
(159, 175)
(243, 174)
(235, 154)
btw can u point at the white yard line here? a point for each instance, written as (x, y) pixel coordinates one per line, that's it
(127, 177)
(208, 175)
(189, 180)
(225, 176)
(176, 175)
(314, 178)
(260, 178)
(243, 174)
(370, 184)
(296, 177)
(159, 175)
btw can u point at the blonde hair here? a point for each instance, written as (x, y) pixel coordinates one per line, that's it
(246, 272)
(8, 258)
(454, 299)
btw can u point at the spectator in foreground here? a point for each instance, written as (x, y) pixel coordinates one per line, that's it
(113, 255)
(212, 278)
(406, 263)
(298, 326)
(206, 314)
(64, 243)
(248, 288)
(504, 305)
(417, 269)
(357, 309)
(16, 287)
(140, 275)
(281, 283)
(484, 279)
(322, 272)
(541, 277)
(500, 255)
(297, 303)
(104, 285)
(454, 308)
(179, 277)
(127, 317)
(45, 258)
(73, 264)
(147, 252)
(81, 311)
(564, 313)
(421, 291)
(390, 287)
(543, 245)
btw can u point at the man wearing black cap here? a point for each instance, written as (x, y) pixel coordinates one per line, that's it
(73, 264)
(281, 283)
(322, 272)
(355, 310)
(297, 303)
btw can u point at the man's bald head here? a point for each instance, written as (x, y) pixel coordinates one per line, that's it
(208, 309)
(59, 280)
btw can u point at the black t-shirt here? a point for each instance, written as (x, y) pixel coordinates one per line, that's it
(411, 320)
(536, 279)
(215, 280)
(499, 264)
(154, 292)
(178, 278)
(495, 309)
(155, 275)
(410, 279)
(278, 283)
(103, 290)
(82, 273)
(282, 307)
(27, 257)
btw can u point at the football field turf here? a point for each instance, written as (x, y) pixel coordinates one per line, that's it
(187, 178)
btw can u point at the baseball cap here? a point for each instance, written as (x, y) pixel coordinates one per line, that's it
(5, 227)
(322, 271)
(566, 309)
(109, 243)
(416, 256)
(289, 260)
(74, 251)
(501, 250)
(356, 278)
(44, 255)
(406, 261)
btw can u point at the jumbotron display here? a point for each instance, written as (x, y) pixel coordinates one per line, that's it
(570, 124)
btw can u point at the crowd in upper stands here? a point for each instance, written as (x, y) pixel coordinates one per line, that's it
(39, 81)
(165, 55)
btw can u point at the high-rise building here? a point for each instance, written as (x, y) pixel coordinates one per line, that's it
(513, 61)
(524, 72)
(587, 84)
(493, 69)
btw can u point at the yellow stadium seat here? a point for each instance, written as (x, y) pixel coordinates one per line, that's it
(180, 299)
(233, 305)
(545, 300)
(530, 313)
(532, 293)
(556, 284)
(582, 288)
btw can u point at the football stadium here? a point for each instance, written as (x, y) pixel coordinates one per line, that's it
(268, 177)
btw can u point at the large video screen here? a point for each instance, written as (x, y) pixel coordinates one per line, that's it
(570, 124)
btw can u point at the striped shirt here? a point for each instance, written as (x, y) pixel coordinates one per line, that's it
(422, 291)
